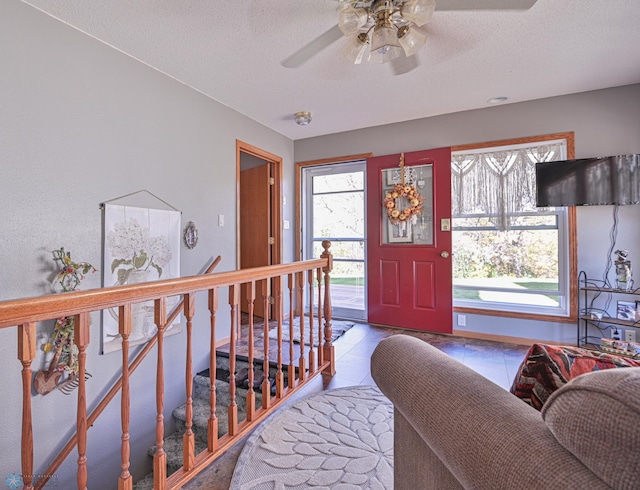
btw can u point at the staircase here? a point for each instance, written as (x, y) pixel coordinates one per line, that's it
(173, 443)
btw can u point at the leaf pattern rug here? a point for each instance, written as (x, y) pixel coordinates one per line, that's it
(341, 438)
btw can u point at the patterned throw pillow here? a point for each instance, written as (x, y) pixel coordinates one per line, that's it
(548, 367)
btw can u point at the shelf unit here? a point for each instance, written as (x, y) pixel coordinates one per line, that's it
(585, 318)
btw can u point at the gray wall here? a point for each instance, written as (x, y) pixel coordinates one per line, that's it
(80, 124)
(605, 122)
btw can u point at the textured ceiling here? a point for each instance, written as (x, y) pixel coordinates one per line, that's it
(232, 52)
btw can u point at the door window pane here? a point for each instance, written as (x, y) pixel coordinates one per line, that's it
(338, 215)
(348, 181)
(407, 216)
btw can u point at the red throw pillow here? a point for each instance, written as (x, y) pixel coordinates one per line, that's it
(548, 367)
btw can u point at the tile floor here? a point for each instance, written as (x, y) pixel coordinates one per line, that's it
(494, 360)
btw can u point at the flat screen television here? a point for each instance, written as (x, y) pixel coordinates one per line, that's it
(589, 181)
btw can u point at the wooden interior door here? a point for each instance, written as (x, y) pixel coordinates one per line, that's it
(409, 269)
(255, 226)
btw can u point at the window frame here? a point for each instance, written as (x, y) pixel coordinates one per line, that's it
(567, 244)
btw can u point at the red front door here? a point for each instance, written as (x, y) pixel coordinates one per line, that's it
(409, 255)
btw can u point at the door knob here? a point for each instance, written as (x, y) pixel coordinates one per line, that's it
(444, 254)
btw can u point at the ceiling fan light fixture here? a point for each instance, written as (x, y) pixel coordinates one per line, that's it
(418, 11)
(302, 118)
(411, 39)
(352, 19)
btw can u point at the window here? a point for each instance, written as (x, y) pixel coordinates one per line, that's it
(509, 256)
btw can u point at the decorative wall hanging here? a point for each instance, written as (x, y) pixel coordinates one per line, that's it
(403, 202)
(140, 245)
(498, 184)
(62, 372)
(190, 235)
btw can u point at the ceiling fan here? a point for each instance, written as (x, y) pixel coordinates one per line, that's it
(389, 30)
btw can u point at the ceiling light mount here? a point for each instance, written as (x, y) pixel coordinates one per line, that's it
(497, 100)
(302, 118)
(385, 28)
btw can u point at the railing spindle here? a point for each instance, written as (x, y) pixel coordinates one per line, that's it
(189, 441)
(81, 329)
(234, 298)
(125, 481)
(300, 298)
(251, 394)
(266, 383)
(26, 355)
(312, 354)
(212, 424)
(292, 367)
(320, 351)
(160, 457)
(328, 348)
(277, 284)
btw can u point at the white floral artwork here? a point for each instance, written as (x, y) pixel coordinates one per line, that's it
(140, 245)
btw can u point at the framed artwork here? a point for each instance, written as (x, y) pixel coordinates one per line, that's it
(140, 245)
(626, 311)
(399, 233)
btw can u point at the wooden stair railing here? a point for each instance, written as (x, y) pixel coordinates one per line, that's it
(122, 384)
(24, 314)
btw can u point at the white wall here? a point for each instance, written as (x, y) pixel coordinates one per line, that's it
(605, 122)
(80, 124)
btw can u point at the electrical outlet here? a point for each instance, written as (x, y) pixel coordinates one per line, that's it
(462, 320)
(630, 335)
(616, 333)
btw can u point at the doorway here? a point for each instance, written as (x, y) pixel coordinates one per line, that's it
(333, 207)
(259, 212)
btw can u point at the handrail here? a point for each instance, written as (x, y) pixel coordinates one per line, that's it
(25, 313)
(39, 308)
(93, 416)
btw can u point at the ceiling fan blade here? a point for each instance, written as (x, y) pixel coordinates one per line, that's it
(484, 4)
(314, 47)
(404, 64)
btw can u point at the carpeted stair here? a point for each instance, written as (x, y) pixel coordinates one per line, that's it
(173, 443)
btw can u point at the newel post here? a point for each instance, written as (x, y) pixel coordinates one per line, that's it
(328, 350)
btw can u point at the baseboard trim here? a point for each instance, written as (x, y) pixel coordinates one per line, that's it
(503, 338)
(224, 341)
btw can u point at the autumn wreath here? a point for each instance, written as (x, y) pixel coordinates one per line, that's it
(403, 210)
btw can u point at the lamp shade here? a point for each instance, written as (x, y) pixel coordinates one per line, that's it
(357, 48)
(411, 39)
(418, 11)
(351, 19)
(384, 44)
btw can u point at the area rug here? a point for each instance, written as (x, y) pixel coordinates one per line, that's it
(338, 328)
(340, 438)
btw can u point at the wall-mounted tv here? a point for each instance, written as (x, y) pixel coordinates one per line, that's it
(589, 181)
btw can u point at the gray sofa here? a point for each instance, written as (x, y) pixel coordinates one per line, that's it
(456, 429)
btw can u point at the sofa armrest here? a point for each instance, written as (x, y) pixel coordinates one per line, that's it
(486, 437)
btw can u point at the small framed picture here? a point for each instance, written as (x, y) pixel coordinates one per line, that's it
(627, 310)
(399, 233)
